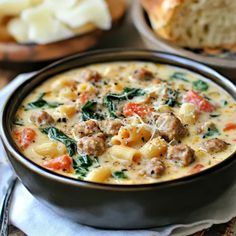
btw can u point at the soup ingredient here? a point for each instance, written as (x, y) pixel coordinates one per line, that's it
(142, 74)
(66, 111)
(100, 174)
(88, 111)
(40, 102)
(170, 127)
(156, 147)
(196, 168)
(225, 103)
(128, 93)
(211, 131)
(199, 101)
(230, 126)
(50, 149)
(86, 128)
(90, 75)
(27, 137)
(181, 154)
(188, 113)
(81, 165)
(131, 108)
(110, 127)
(172, 98)
(179, 76)
(154, 168)
(63, 163)
(94, 145)
(56, 134)
(214, 115)
(41, 118)
(119, 175)
(214, 145)
(200, 85)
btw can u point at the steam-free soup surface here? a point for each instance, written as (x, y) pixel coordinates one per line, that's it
(126, 123)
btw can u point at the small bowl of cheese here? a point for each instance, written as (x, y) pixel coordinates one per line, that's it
(33, 31)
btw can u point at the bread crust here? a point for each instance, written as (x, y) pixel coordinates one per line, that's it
(161, 14)
(169, 16)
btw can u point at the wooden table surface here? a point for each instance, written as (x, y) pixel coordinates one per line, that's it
(125, 36)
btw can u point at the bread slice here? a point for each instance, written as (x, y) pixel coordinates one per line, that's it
(194, 23)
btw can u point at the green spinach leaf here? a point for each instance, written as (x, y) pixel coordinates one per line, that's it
(40, 102)
(200, 85)
(119, 175)
(81, 165)
(128, 93)
(214, 115)
(172, 98)
(211, 132)
(225, 103)
(88, 111)
(56, 134)
(179, 76)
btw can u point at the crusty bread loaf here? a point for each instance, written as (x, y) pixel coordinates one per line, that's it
(194, 23)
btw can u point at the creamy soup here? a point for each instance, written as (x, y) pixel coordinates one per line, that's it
(126, 123)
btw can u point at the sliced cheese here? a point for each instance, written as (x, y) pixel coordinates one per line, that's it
(38, 25)
(43, 21)
(88, 11)
(19, 30)
(60, 4)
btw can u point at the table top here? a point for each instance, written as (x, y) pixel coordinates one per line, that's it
(124, 36)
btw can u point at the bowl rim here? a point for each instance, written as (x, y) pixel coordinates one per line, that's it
(105, 55)
(140, 22)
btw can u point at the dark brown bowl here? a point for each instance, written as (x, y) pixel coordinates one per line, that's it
(117, 206)
(226, 66)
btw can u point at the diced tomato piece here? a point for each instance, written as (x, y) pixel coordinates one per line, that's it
(197, 168)
(60, 163)
(130, 109)
(230, 126)
(199, 101)
(206, 106)
(27, 137)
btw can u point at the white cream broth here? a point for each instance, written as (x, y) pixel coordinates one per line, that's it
(133, 142)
